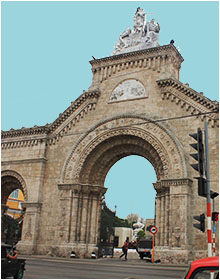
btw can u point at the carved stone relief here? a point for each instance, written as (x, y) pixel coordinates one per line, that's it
(171, 164)
(129, 89)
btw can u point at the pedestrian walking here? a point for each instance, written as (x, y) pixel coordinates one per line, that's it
(125, 249)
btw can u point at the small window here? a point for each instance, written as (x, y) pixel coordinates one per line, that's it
(14, 194)
(206, 273)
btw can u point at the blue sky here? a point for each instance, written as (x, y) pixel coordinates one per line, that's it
(46, 49)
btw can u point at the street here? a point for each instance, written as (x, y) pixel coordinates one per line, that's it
(107, 268)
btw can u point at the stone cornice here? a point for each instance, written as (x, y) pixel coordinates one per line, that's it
(154, 51)
(211, 105)
(36, 130)
(158, 59)
(73, 107)
(189, 99)
(32, 136)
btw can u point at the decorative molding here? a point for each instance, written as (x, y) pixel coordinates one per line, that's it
(174, 182)
(83, 188)
(24, 161)
(74, 106)
(189, 99)
(35, 205)
(153, 51)
(164, 185)
(36, 130)
(157, 58)
(14, 143)
(29, 137)
(153, 133)
(64, 129)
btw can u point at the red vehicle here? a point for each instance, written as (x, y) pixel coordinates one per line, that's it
(207, 268)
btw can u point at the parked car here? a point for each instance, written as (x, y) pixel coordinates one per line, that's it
(206, 268)
(11, 265)
(144, 248)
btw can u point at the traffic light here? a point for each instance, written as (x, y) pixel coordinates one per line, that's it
(202, 190)
(215, 216)
(201, 219)
(199, 156)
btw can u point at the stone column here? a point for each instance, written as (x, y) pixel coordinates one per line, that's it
(173, 229)
(79, 221)
(28, 243)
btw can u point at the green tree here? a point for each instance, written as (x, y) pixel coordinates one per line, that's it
(141, 235)
(108, 222)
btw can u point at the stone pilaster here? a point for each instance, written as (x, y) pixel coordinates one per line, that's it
(81, 218)
(173, 200)
(28, 243)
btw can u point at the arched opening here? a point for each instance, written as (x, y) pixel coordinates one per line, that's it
(106, 154)
(130, 198)
(91, 159)
(12, 213)
(131, 189)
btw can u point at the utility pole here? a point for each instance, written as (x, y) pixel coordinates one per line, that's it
(215, 215)
(209, 223)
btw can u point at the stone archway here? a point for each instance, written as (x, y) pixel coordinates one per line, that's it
(11, 228)
(135, 131)
(100, 148)
(10, 181)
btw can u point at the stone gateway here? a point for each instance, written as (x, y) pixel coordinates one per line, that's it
(133, 107)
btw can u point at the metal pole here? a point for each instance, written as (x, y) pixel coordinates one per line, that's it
(213, 232)
(153, 249)
(209, 223)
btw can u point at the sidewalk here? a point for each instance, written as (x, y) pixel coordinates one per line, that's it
(132, 253)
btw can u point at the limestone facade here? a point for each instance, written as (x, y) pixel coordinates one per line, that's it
(61, 167)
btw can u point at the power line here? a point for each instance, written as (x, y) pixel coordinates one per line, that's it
(148, 121)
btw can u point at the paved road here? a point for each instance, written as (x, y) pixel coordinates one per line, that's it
(40, 268)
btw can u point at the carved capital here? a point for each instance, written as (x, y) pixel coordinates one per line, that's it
(85, 189)
(36, 205)
(163, 185)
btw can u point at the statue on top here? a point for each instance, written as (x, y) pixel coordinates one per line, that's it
(144, 35)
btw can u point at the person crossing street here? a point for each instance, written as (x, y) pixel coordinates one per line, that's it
(125, 249)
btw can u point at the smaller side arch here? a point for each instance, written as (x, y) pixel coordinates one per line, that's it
(11, 180)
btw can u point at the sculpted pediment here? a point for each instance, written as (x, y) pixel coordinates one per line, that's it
(128, 89)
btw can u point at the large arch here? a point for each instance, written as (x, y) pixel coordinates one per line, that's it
(100, 148)
(149, 139)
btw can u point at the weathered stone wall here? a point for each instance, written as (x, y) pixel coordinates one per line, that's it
(64, 164)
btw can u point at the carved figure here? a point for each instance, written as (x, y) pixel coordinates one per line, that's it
(144, 35)
(151, 31)
(139, 20)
